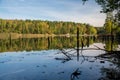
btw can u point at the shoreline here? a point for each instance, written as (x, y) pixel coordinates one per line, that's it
(17, 35)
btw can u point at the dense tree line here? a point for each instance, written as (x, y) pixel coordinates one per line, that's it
(44, 27)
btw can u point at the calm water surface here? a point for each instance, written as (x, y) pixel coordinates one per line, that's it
(58, 58)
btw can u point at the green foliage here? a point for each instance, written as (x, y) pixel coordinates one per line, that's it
(100, 30)
(108, 26)
(110, 6)
(91, 30)
(43, 27)
(111, 45)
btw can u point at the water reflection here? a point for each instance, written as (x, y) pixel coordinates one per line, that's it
(111, 73)
(72, 58)
(27, 44)
(111, 44)
(75, 74)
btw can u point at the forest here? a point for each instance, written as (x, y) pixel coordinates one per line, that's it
(44, 27)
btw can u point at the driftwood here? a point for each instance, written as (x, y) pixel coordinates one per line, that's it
(63, 59)
(69, 53)
(117, 53)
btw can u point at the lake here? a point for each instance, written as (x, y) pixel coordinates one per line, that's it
(60, 58)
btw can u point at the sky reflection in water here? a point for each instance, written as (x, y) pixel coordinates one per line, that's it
(53, 65)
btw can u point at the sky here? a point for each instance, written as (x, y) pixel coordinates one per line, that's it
(53, 10)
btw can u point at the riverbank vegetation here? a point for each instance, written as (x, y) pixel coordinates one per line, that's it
(112, 10)
(44, 27)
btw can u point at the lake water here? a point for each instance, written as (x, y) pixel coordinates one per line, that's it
(59, 58)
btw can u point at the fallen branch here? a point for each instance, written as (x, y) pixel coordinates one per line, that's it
(65, 53)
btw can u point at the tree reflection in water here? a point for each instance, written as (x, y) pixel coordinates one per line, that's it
(70, 48)
(70, 53)
(75, 74)
(113, 56)
(111, 73)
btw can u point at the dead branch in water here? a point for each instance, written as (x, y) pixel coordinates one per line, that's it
(65, 53)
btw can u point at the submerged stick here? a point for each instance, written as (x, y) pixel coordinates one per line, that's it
(65, 53)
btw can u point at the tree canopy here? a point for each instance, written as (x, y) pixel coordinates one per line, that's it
(43, 27)
(113, 21)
